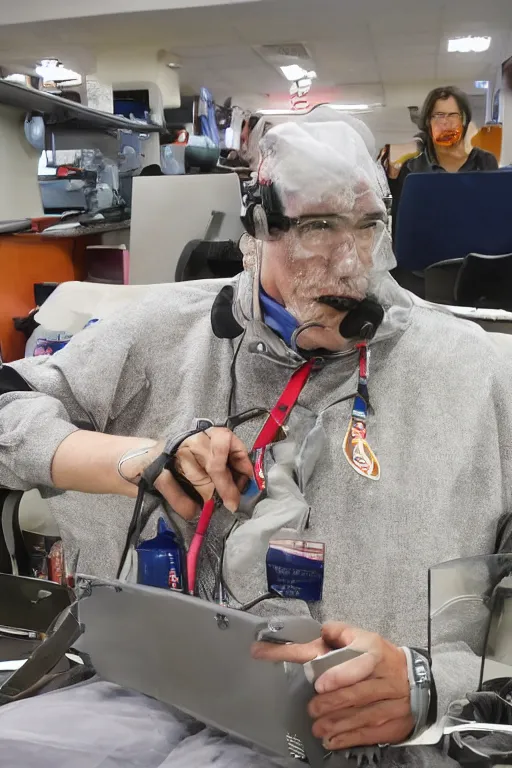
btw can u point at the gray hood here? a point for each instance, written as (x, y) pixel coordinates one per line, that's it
(260, 339)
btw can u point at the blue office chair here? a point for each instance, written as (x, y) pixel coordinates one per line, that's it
(444, 216)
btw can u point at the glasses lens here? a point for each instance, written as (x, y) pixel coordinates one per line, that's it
(334, 231)
(452, 118)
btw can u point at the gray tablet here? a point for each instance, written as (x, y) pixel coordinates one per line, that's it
(195, 655)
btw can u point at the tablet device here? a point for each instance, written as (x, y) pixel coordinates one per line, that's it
(195, 656)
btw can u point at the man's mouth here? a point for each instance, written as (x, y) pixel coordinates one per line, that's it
(339, 303)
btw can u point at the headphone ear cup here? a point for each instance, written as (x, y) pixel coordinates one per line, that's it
(260, 222)
(248, 220)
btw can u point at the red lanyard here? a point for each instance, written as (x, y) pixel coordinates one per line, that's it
(267, 435)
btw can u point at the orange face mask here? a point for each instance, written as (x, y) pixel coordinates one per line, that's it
(447, 137)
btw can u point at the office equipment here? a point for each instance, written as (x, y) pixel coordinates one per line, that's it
(170, 211)
(449, 215)
(196, 656)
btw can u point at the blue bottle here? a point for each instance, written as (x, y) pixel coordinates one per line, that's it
(160, 560)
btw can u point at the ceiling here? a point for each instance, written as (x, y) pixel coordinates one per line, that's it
(388, 51)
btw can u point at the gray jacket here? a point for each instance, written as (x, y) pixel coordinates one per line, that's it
(440, 425)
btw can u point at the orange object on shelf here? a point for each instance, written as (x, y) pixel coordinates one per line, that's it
(27, 259)
(490, 137)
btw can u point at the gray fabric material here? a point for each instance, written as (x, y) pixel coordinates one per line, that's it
(440, 425)
(141, 733)
(100, 725)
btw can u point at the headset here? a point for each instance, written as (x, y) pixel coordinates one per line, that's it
(264, 215)
(264, 212)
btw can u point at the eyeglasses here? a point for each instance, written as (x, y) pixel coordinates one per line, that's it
(318, 230)
(452, 118)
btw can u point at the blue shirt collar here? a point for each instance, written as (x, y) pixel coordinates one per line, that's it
(277, 317)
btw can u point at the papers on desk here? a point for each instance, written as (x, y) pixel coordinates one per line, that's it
(469, 313)
(474, 313)
(15, 664)
(62, 227)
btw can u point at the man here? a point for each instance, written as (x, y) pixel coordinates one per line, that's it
(397, 462)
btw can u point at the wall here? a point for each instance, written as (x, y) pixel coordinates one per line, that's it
(32, 10)
(133, 68)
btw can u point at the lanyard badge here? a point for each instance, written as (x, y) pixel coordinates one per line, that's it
(355, 446)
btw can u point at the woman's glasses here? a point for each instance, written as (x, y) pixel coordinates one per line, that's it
(450, 118)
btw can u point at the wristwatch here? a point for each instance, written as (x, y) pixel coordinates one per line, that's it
(420, 685)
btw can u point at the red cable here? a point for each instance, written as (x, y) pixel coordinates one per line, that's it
(197, 543)
(267, 435)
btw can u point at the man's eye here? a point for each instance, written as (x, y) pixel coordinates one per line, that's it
(318, 225)
(368, 225)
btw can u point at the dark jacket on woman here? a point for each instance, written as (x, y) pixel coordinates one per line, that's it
(427, 162)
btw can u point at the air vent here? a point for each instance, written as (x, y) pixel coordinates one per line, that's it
(284, 54)
(286, 50)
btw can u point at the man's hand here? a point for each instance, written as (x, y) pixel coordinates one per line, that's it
(364, 701)
(214, 460)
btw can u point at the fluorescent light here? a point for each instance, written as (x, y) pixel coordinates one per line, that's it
(337, 107)
(469, 44)
(294, 72)
(353, 107)
(276, 112)
(483, 84)
(348, 107)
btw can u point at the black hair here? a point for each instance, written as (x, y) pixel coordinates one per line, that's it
(445, 92)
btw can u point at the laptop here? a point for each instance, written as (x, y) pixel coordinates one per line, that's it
(195, 656)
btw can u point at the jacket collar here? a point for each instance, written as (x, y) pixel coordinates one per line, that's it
(261, 340)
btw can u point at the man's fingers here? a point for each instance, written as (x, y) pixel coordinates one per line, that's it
(337, 634)
(349, 673)
(358, 695)
(217, 468)
(208, 461)
(190, 465)
(292, 652)
(392, 732)
(181, 502)
(239, 458)
(376, 715)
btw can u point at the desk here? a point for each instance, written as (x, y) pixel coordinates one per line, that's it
(27, 259)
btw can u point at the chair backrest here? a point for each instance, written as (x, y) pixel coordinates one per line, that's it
(14, 557)
(449, 215)
(485, 281)
(440, 280)
(203, 260)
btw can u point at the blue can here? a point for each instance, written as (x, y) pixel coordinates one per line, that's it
(160, 560)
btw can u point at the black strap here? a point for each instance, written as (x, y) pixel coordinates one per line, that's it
(12, 535)
(11, 381)
(43, 660)
(147, 485)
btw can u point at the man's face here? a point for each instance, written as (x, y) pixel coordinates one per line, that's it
(327, 254)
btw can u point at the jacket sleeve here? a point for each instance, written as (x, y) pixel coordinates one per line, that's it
(81, 386)
(456, 658)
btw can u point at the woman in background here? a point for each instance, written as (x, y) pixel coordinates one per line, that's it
(444, 122)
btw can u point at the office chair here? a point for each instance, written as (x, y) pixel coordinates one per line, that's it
(478, 280)
(485, 281)
(215, 256)
(204, 260)
(446, 216)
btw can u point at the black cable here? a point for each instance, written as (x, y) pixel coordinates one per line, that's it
(232, 376)
(260, 599)
(134, 523)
